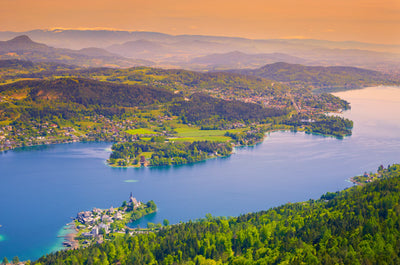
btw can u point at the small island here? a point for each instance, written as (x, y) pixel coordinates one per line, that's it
(99, 225)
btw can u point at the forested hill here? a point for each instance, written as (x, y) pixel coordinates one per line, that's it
(202, 109)
(356, 226)
(319, 76)
(89, 92)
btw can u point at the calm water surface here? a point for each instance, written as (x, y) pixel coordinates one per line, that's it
(41, 188)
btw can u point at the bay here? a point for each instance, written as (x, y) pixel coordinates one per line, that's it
(41, 188)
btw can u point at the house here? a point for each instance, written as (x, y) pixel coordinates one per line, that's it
(95, 231)
(104, 226)
(97, 210)
(106, 219)
(84, 217)
(118, 216)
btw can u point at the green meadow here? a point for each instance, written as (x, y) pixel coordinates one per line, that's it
(191, 134)
(141, 131)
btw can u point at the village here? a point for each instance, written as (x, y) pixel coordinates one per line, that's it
(95, 128)
(369, 177)
(98, 225)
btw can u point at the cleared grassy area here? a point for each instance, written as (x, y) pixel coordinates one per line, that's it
(141, 131)
(191, 134)
(147, 154)
(87, 124)
(201, 138)
(7, 122)
(196, 132)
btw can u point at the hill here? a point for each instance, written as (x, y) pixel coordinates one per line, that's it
(203, 109)
(239, 60)
(354, 226)
(23, 48)
(89, 92)
(319, 76)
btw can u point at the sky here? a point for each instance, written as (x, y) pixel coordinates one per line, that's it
(376, 21)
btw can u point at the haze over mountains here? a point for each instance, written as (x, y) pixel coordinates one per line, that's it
(127, 48)
(23, 48)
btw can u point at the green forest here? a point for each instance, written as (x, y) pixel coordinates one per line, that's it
(359, 225)
(203, 109)
(163, 153)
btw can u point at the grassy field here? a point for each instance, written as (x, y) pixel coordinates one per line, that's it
(201, 138)
(147, 155)
(191, 134)
(141, 131)
(87, 124)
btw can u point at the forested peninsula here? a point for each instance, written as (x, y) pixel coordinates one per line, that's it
(356, 226)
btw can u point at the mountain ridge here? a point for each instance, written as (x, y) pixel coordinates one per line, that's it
(178, 50)
(24, 48)
(319, 76)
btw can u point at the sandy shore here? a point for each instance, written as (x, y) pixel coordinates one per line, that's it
(70, 238)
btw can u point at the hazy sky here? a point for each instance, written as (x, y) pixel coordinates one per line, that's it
(363, 20)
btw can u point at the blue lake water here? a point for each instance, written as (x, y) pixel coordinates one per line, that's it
(42, 187)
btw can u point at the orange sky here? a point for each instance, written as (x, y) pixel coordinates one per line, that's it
(375, 21)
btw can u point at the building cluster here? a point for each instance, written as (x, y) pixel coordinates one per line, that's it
(369, 177)
(38, 133)
(99, 221)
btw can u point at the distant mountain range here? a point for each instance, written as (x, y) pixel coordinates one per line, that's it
(23, 48)
(78, 39)
(194, 52)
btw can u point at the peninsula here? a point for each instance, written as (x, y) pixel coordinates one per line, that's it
(99, 225)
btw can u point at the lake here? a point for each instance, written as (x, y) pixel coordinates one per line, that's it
(43, 187)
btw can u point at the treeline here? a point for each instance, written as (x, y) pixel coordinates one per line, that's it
(324, 99)
(322, 124)
(331, 125)
(90, 92)
(203, 109)
(74, 98)
(248, 137)
(319, 76)
(355, 226)
(166, 153)
(186, 80)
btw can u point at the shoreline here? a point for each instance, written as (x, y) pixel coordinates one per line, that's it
(50, 144)
(233, 148)
(355, 182)
(70, 241)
